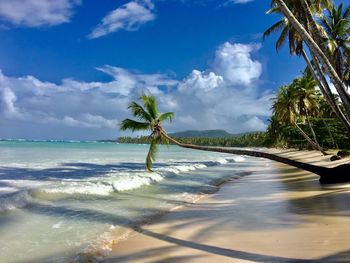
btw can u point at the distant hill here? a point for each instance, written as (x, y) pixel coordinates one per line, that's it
(203, 134)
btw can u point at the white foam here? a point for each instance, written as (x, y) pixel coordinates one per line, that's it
(104, 186)
(83, 188)
(124, 181)
(135, 181)
(238, 158)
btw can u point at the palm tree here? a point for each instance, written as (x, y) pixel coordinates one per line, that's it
(151, 120)
(308, 106)
(336, 23)
(296, 48)
(292, 106)
(317, 52)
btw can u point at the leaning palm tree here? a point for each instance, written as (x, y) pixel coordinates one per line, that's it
(296, 47)
(294, 104)
(316, 51)
(150, 119)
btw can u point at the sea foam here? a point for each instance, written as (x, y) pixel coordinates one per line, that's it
(120, 181)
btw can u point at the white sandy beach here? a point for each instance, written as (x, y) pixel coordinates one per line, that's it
(276, 214)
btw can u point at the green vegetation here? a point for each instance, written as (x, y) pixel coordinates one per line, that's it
(202, 134)
(248, 140)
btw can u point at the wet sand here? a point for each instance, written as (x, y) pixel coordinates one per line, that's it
(276, 214)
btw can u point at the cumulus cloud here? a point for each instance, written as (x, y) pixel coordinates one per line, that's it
(234, 63)
(8, 106)
(129, 17)
(223, 96)
(36, 13)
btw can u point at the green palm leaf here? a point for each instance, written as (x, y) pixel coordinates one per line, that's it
(166, 116)
(276, 27)
(132, 125)
(151, 105)
(139, 111)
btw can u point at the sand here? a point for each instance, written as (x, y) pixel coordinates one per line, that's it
(276, 214)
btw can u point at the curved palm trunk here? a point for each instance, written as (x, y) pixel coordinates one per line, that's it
(326, 91)
(313, 144)
(315, 49)
(327, 175)
(319, 147)
(335, 145)
(313, 29)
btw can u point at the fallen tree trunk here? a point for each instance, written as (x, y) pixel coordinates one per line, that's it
(338, 174)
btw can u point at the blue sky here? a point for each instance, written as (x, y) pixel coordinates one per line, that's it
(69, 67)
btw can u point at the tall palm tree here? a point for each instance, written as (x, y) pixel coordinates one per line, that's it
(307, 102)
(296, 47)
(317, 52)
(150, 120)
(336, 23)
(291, 107)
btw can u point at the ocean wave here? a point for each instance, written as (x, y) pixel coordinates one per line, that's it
(14, 200)
(130, 180)
(113, 182)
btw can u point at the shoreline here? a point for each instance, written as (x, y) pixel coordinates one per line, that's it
(99, 249)
(170, 239)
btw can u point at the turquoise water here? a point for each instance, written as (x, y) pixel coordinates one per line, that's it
(59, 200)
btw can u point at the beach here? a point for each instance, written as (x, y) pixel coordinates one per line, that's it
(276, 214)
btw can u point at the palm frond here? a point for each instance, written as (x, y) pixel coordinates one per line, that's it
(133, 125)
(282, 38)
(275, 27)
(151, 155)
(166, 116)
(150, 104)
(139, 111)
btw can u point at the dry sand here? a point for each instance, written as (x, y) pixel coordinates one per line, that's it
(276, 214)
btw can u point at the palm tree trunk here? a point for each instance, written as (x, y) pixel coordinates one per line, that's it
(314, 145)
(327, 175)
(315, 49)
(325, 89)
(335, 145)
(319, 147)
(311, 25)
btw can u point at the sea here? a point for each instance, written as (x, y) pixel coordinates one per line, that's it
(71, 201)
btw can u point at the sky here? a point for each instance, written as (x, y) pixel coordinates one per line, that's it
(69, 68)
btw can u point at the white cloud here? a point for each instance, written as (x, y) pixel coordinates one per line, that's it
(224, 96)
(7, 103)
(234, 63)
(36, 13)
(201, 81)
(129, 16)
